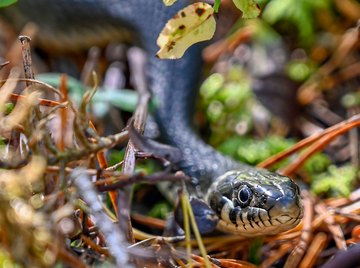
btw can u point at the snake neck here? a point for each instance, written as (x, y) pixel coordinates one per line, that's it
(173, 83)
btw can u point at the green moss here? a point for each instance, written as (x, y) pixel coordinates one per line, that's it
(336, 181)
(317, 163)
(160, 210)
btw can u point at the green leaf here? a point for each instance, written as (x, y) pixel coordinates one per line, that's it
(249, 8)
(193, 24)
(124, 99)
(301, 13)
(5, 3)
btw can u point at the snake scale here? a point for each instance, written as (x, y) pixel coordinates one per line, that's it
(246, 200)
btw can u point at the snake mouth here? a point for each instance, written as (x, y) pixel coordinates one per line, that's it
(248, 230)
(255, 203)
(253, 221)
(286, 209)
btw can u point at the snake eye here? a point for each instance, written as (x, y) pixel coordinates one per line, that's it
(244, 195)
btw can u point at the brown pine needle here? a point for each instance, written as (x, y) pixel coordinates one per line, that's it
(339, 129)
(316, 147)
(333, 227)
(94, 246)
(44, 102)
(317, 245)
(298, 252)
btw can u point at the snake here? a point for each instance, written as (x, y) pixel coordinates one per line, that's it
(245, 200)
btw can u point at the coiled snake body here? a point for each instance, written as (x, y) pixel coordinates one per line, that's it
(247, 201)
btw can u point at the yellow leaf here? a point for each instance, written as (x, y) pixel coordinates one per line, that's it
(193, 24)
(169, 2)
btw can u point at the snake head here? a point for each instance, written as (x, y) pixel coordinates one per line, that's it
(255, 202)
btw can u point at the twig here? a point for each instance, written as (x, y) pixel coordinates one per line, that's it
(63, 113)
(90, 65)
(27, 61)
(137, 178)
(103, 143)
(115, 239)
(137, 64)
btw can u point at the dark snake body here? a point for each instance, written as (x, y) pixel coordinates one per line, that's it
(173, 84)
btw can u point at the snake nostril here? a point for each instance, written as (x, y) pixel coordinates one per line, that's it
(286, 201)
(288, 206)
